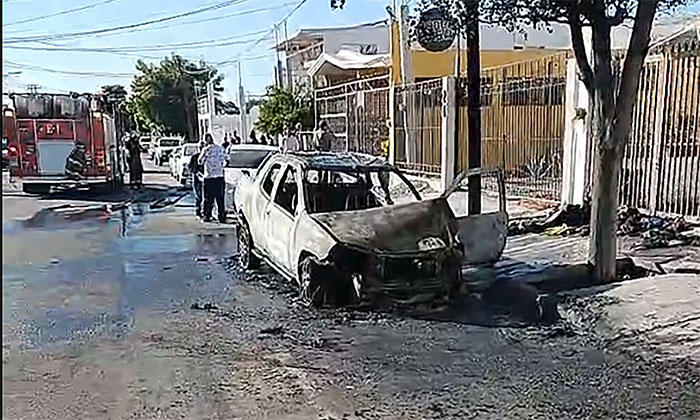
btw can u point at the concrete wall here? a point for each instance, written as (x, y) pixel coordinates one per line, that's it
(335, 40)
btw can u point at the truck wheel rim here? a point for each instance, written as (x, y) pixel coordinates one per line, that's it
(243, 247)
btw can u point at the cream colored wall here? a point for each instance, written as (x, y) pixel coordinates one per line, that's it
(428, 64)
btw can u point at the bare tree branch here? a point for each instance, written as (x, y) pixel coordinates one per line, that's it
(580, 51)
(634, 61)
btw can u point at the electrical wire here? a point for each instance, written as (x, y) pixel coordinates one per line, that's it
(72, 35)
(25, 66)
(211, 19)
(232, 40)
(267, 35)
(64, 12)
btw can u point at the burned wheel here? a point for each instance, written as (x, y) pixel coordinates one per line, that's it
(311, 288)
(322, 285)
(246, 257)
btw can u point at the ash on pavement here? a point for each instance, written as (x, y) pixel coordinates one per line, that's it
(143, 314)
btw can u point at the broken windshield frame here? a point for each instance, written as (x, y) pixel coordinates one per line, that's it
(350, 189)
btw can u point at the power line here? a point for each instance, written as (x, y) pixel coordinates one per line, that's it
(232, 40)
(211, 19)
(66, 72)
(266, 36)
(69, 35)
(64, 12)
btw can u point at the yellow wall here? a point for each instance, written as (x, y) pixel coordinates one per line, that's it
(428, 64)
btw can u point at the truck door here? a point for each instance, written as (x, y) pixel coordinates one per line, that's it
(282, 215)
(260, 203)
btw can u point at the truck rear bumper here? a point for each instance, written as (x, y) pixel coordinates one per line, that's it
(61, 180)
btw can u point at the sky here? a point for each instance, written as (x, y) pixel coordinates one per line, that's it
(240, 25)
(240, 32)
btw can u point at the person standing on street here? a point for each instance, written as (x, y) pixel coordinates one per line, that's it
(197, 172)
(135, 165)
(253, 137)
(324, 138)
(225, 144)
(213, 157)
(236, 137)
(76, 162)
(290, 142)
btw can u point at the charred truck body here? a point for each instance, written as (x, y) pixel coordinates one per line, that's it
(350, 228)
(60, 140)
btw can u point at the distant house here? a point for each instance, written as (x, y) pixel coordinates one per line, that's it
(321, 56)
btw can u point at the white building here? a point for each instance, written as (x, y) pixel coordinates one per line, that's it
(299, 52)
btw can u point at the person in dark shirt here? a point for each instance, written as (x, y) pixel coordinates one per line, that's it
(197, 172)
(76, 162)
(133, 146)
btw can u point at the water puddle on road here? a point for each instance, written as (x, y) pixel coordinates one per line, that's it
(76, 272)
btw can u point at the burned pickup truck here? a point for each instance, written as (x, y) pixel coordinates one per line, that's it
(349, 228)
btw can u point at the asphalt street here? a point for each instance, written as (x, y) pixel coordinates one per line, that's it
(142, 313)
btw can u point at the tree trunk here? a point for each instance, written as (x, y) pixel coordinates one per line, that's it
(603, 244)
(612, 120)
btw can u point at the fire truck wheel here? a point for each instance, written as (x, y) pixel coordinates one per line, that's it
(40, 189)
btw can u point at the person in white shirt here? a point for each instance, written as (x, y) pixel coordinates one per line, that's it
(290, 142)
(213, 157)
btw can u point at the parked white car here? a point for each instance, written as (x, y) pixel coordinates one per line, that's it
(349, 228)
(163, 147)
(243, 159)
(179, 161)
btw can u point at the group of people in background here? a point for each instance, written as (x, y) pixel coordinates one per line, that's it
(207, 166)
(323, 140)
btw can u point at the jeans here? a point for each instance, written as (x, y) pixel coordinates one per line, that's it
(214, 191)
(197, 189)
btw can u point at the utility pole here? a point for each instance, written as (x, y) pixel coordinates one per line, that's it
(242, 105)
(286, 56)
(474, 106)
(211, 105)
(278, 72)
(407, 79)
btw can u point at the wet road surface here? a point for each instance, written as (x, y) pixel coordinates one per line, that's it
(141, 314)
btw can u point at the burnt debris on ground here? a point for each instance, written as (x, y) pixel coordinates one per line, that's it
(574, 219)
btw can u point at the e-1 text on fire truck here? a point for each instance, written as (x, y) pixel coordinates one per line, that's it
(56, 140)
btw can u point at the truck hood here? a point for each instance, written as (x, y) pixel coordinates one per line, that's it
(404, 228)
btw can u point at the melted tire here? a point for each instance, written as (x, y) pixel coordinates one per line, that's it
(321, 285)
(246, 257)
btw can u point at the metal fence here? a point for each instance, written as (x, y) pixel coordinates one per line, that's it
(522, 125)
(661, 164)
(417, 146)
(358, 114)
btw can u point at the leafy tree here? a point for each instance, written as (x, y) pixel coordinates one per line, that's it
(283, 107)
(113, 93)
(611, 100)
(226, 107)
(164, 95)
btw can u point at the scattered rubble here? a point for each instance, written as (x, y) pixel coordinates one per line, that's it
(655, 231)
(567, 219)
(208, 306)
(272, 330)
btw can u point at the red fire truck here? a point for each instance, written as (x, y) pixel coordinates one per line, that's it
(43, 129)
